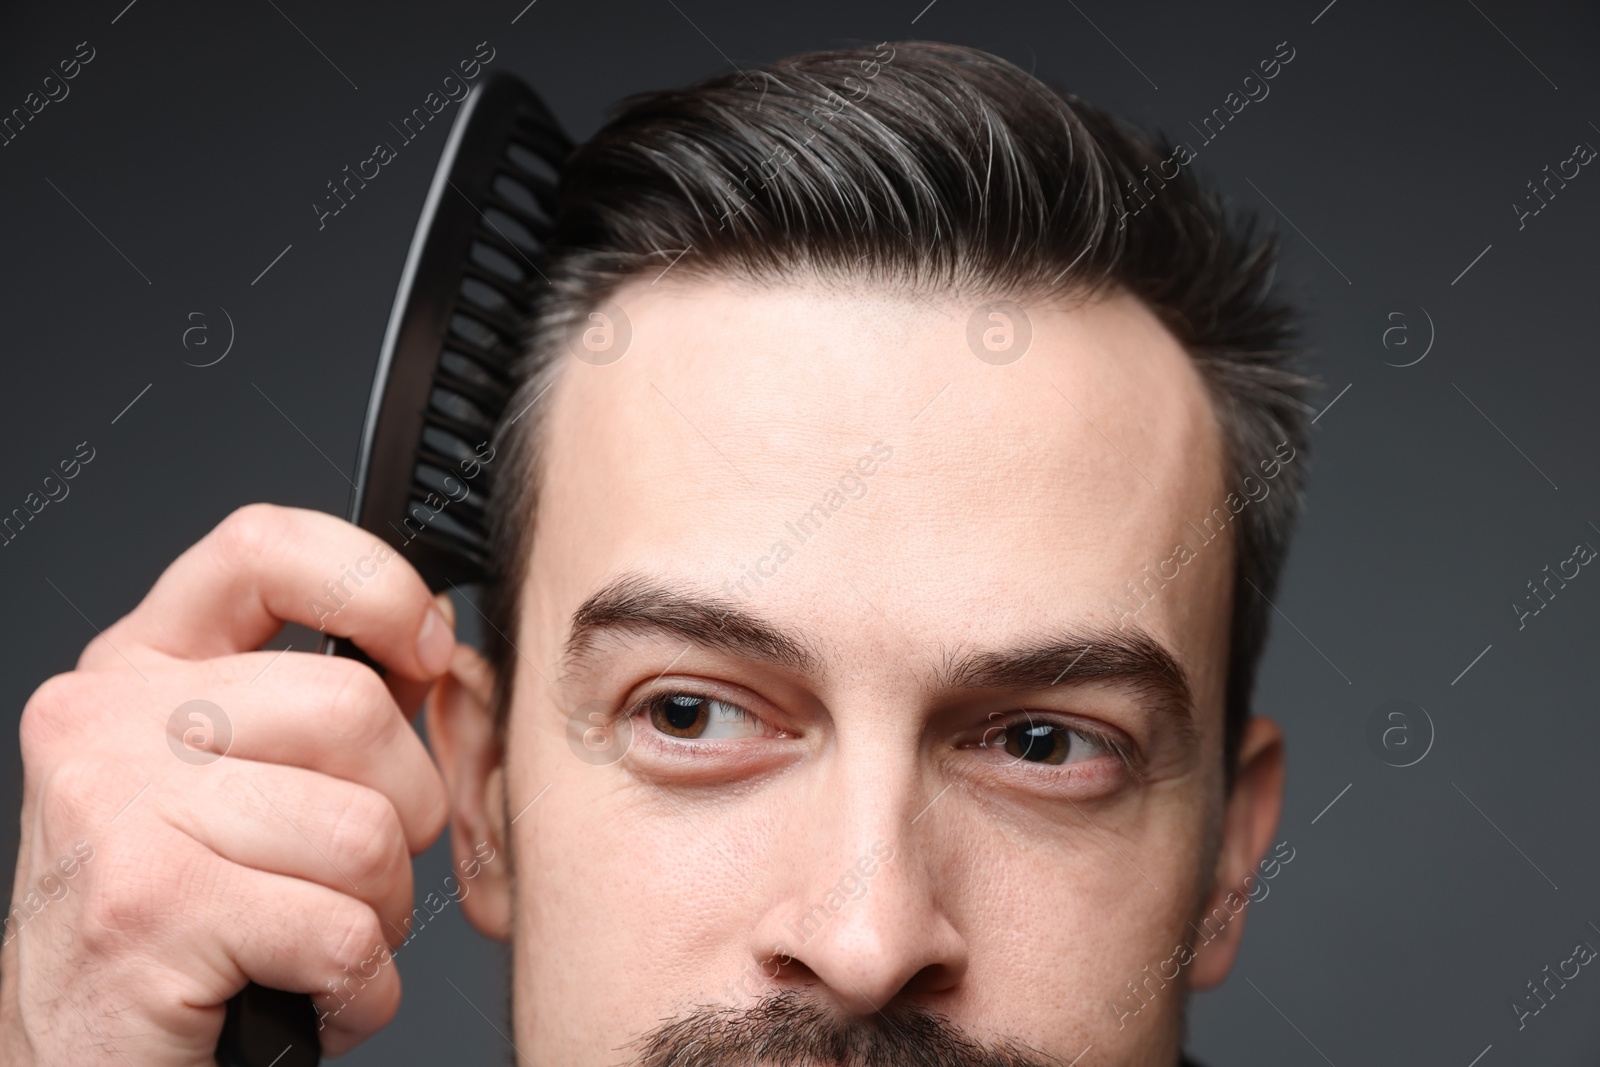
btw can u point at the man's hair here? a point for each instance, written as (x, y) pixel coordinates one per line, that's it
(926, 168)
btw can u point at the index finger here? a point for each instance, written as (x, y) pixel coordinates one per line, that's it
(265, 565)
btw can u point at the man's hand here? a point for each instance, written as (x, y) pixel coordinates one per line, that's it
(285, 862)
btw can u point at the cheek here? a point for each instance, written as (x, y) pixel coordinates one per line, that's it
(629, 895)
(1058, 926)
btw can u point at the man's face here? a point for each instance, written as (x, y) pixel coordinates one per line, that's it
(868, 722)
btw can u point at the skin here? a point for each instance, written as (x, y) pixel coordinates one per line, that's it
(1021, 897)
(1015, 898)
(284, 861)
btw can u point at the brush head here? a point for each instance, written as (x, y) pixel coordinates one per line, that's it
(444, 375)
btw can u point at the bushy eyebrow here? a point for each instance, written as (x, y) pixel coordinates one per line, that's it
(637, 603)
(1128, 657)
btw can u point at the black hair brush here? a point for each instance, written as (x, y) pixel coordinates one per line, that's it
(444, 378)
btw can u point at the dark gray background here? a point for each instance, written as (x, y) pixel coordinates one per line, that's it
(1396, 142)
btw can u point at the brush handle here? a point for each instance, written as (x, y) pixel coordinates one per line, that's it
(268, 1027)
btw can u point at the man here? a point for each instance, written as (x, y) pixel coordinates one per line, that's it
(869, 670)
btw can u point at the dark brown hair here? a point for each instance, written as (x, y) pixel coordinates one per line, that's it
(926, 167)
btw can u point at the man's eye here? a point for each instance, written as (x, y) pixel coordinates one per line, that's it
(699, 718)
(1042, 741)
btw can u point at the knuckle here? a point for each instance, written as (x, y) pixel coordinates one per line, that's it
(109, 917)
(387, 997)
(365, 836)
(352, 933)
(129, 897)
(76, 794)
(248, 531)
(358, 712)
(48, 718)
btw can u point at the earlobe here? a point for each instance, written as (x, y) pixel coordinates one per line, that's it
(462, 735)
(1249, 821)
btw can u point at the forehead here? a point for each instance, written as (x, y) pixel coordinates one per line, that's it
(845, 461)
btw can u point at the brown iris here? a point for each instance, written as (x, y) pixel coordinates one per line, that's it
(680, 714)
(1038, 742)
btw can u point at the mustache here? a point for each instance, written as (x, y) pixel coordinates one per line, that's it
(789, 1029)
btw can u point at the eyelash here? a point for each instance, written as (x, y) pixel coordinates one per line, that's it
(641, 708)
(1110, 743)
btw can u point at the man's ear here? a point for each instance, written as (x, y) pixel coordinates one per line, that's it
(1249, 821)
(462, 734)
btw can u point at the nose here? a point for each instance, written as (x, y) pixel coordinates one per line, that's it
(864, 919)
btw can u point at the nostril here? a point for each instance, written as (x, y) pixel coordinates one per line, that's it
(775, 973)
(785, 970)
(934, 978)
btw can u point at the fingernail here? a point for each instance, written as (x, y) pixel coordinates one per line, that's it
(435, 643)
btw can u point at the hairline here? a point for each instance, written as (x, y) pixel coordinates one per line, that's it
(672, 169)
(544, 351)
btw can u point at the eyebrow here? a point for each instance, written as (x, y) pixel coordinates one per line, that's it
(636, 603)
(1129, 657)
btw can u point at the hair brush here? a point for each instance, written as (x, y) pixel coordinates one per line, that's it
(443, 380)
